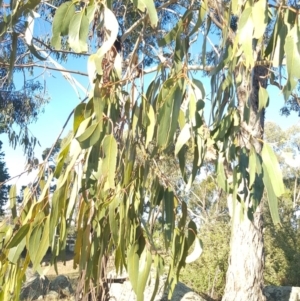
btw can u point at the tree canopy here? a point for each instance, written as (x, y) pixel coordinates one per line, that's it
(126, 128)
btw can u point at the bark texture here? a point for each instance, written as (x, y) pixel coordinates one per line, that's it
(244, 279)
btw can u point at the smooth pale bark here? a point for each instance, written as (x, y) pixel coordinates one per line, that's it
(244, 278)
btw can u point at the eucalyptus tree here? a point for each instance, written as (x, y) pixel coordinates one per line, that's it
(124, 121)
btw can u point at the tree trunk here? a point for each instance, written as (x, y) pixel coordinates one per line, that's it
(244, 278)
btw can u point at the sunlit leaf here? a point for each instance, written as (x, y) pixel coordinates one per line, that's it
(109, 162)
(263, 97)
(272, 170)
(292, 61)
(18, 237)
(61, 22)
(90, 136)
(273, 201)
(196, 252)
(260, 18)
(183, 138)
(168, 116)
(78, 32)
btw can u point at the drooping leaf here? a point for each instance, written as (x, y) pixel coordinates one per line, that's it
(42, 244)
(13, 200)
(272, 198)
(260, 18)
(151, 125)
(263, 97)
(14, 253)
(18, 237)
(159, 265)
(291, 48)
(168, 115)
(61, 23)
(183, 138)
(90, 136)
(78, 32)
(78, 116)
(133, 265)
(168, 220)
(144, 271)
(272, 169)
(109, 162)
(252, 166)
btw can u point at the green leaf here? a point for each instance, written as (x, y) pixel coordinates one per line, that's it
(168, 218)
(202, 12)
(113, 221)
(133, 265)
(272, 170)
(291, 48)
(34, 242)
(58, 201)
(196, 252)
(260, 18)
(14, 253)
(273, 201)
(139, 264)
(183, 138)
(252, 166)
(13, 200)
(168, 115)
(159, 265)
(61, 157)
(221, 177)
(171, 36)
(151, 10)
(61, 22)
(151, 125)
(78, 32)
(18, 237)
(13, 54)
(78, 116)
(110, 148)
(91, 136)
(263, 98)
(192, 232)
(39, 243)
(144, 271)
(34, 52)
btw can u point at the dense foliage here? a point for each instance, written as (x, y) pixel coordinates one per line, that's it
(110, 167)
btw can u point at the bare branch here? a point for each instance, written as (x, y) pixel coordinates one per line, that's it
(45, 67)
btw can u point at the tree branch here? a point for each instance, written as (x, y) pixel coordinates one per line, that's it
(45, 67)
(140, 21)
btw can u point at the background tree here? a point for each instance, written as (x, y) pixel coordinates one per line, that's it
(4, 176)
